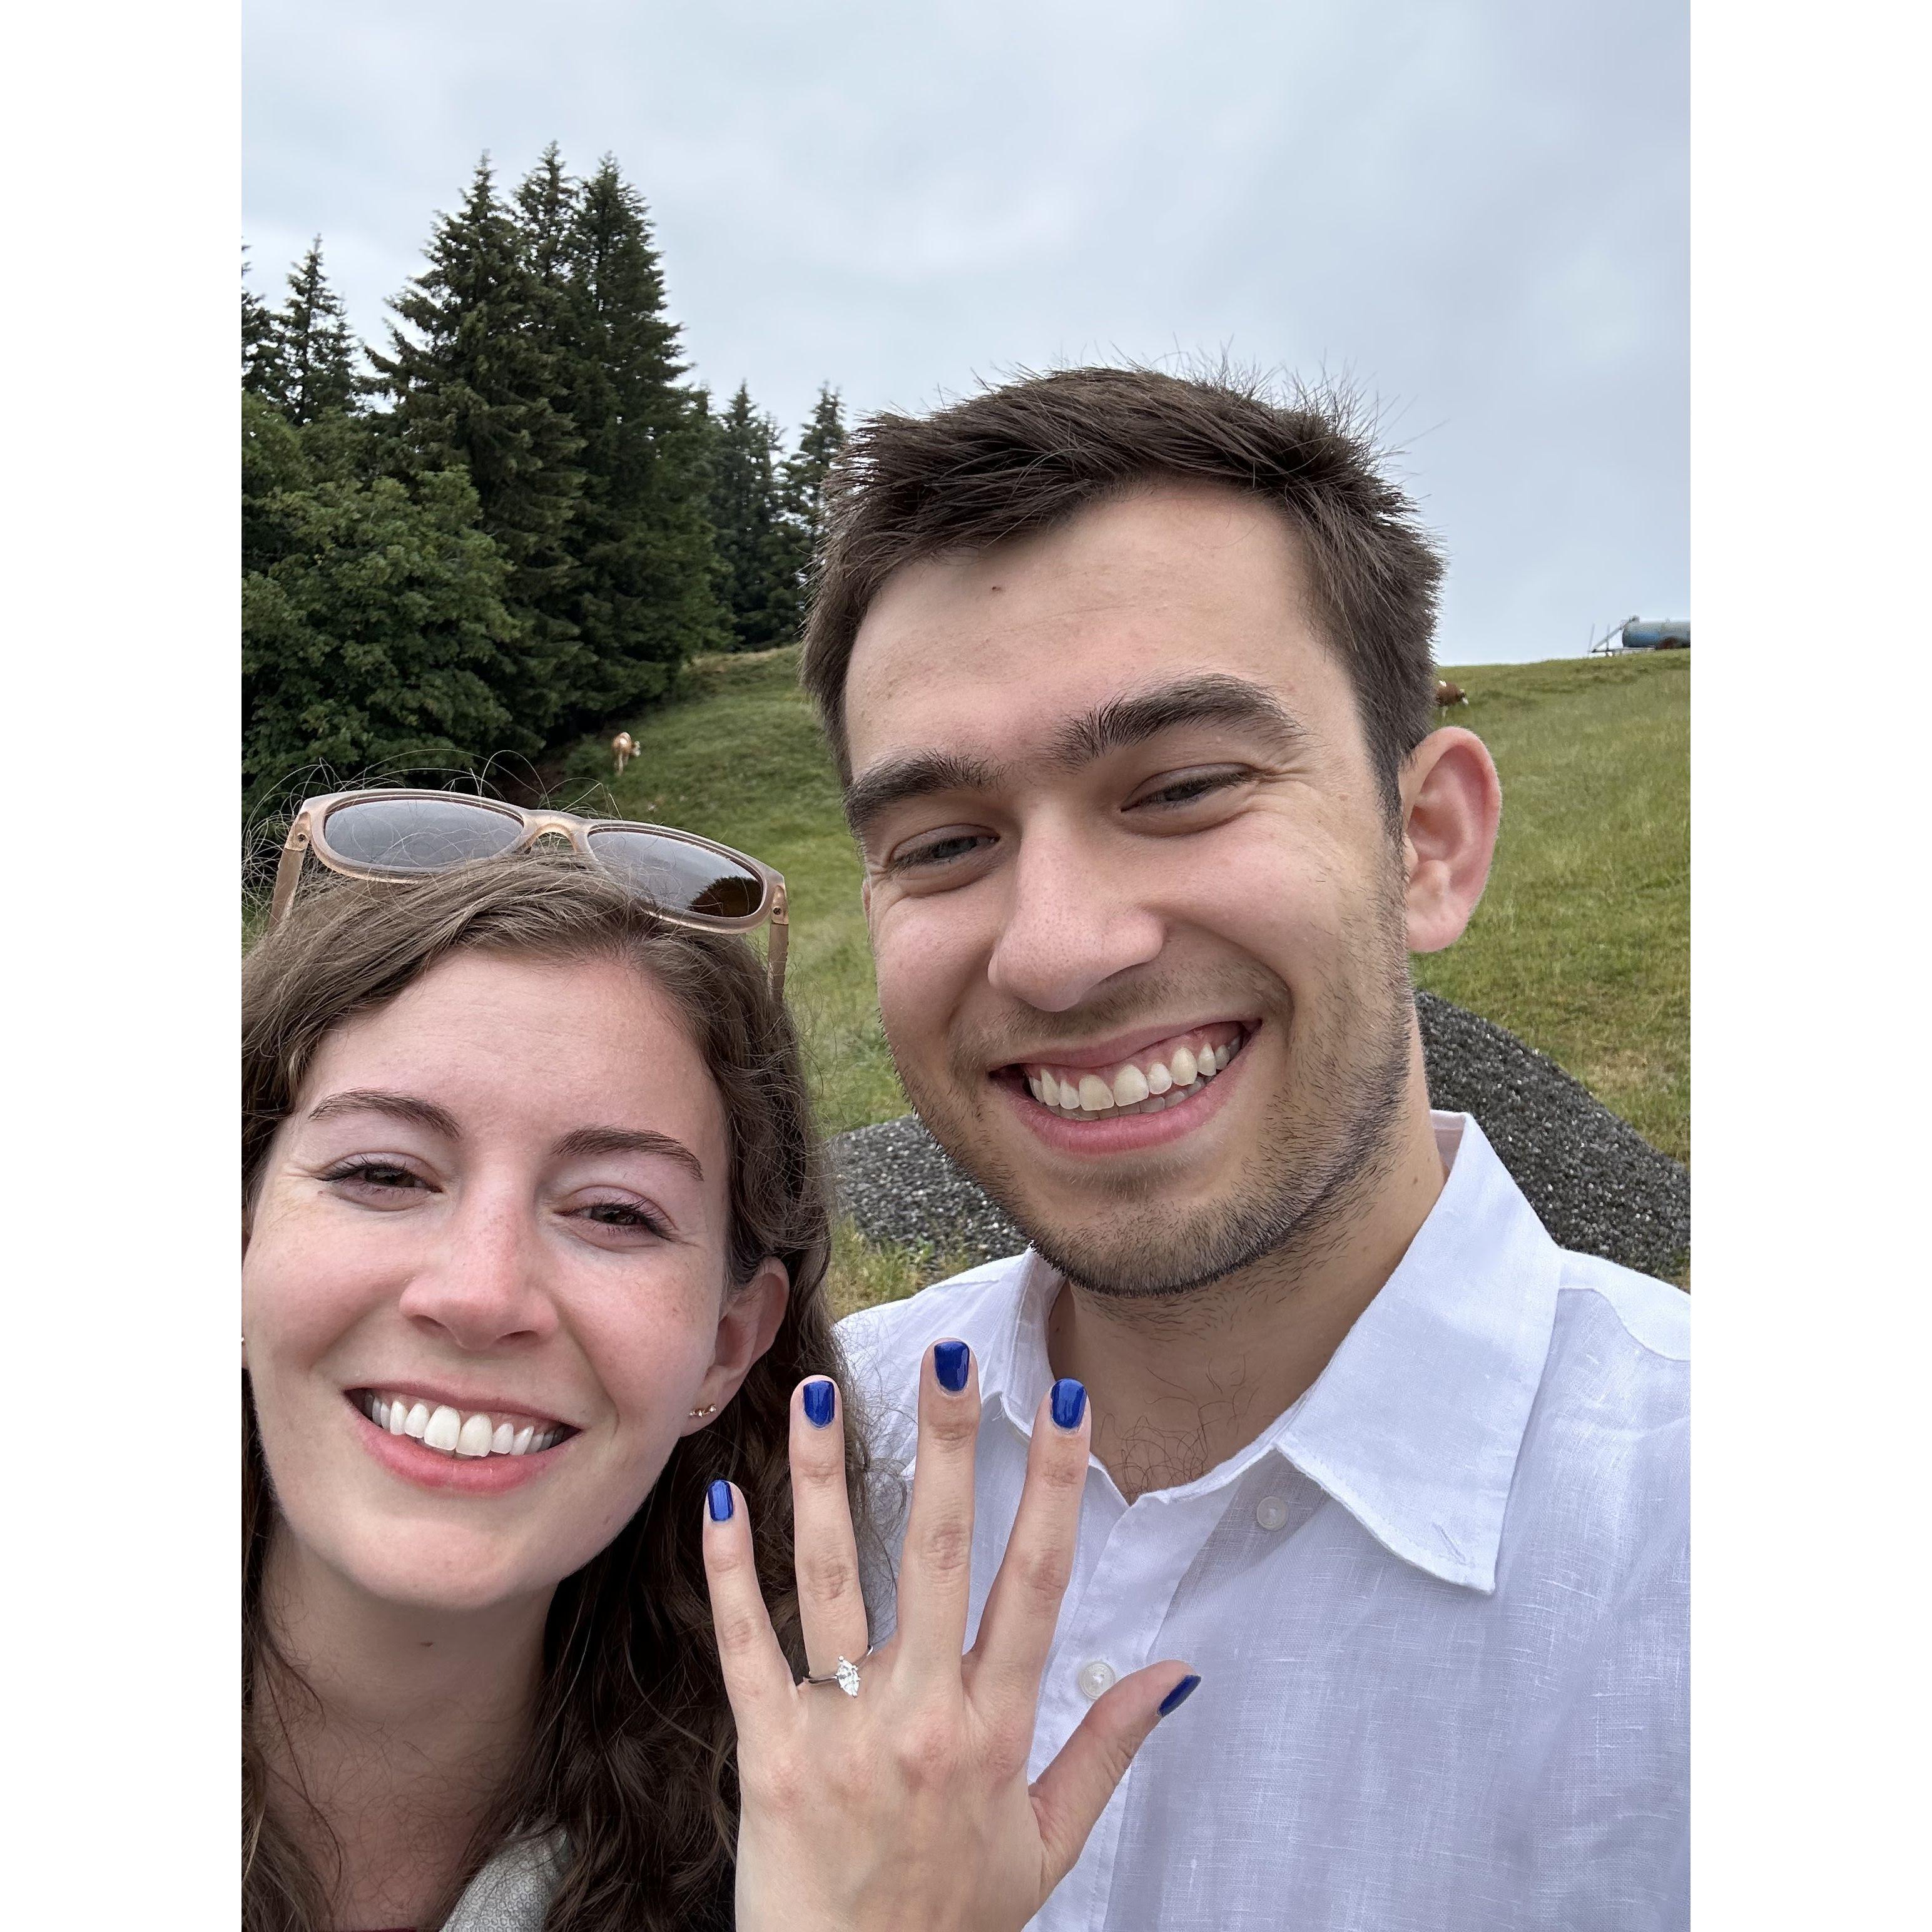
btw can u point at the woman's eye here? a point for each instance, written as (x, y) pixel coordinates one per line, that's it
(624, 1215)
(378, 1176)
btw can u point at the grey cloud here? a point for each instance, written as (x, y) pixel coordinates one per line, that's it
(1477, 209)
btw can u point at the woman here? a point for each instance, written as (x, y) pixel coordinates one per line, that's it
(533, 1312)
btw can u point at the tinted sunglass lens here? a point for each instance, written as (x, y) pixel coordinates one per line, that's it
(678, 876)
(418, 835)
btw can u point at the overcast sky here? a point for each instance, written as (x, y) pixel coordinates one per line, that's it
(1477, 210)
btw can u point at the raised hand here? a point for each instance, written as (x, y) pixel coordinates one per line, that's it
(907, 1806)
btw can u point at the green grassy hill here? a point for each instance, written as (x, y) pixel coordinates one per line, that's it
(1581, 945)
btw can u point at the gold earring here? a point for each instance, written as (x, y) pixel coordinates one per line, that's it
(699, 1414)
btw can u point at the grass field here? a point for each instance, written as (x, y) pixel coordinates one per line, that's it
(1581, 946)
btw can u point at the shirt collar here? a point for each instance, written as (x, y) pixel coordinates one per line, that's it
(1415, 1425)
(1016, 1373)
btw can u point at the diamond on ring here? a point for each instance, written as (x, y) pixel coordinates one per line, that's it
(846, 1676)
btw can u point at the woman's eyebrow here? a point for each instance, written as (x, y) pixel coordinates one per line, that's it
(587, 1143)
(408, 1107)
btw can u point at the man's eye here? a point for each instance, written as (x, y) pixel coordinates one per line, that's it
(1191, 787)
(942, 850)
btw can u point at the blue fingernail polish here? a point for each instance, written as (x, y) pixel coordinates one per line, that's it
(720, 1500)
(1180, 1694)
(950, 1361)
(1069, 1403)
(818, 1399)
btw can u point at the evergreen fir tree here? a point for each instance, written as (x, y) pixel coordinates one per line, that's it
(261, 359)
(819, 442)
(374, 636)
(474, 368)
(315, 350)
(757, 549)
(644, 598)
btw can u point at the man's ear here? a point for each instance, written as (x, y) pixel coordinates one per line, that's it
(746, 1328)
(865, 897)
(1452, 806)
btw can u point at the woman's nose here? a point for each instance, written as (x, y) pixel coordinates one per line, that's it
(1071, 924)
(483, 1288)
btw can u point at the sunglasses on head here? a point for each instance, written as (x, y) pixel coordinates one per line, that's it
(399, 835)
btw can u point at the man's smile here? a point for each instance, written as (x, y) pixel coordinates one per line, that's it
(1103, 1101)
(1147, 1078)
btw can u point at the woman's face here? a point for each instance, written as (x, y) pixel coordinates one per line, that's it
(495, 1218)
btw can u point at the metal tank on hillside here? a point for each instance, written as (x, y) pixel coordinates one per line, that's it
(1669, 634)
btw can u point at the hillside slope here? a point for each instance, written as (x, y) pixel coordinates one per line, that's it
(1581, 946)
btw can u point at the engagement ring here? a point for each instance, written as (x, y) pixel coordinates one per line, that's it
(846, 1676)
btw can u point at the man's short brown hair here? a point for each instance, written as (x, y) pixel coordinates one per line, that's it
(1032, 455)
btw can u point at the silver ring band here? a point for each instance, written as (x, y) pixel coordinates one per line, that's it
(845, 1675)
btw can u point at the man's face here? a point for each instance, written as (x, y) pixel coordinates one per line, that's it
(1134, 898)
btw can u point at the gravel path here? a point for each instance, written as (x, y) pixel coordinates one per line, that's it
(1597, 1183)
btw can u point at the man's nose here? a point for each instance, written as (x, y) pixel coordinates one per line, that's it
(1072, 922)
(484, 1287)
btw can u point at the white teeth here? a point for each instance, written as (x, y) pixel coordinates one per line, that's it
(448, 1430)
(1132, 1090)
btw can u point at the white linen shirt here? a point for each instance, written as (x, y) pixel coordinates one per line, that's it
(1438, 1606)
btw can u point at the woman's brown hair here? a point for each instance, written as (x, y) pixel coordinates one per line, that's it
(632, 1759)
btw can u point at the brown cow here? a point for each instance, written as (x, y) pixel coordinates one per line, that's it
(1447, 694)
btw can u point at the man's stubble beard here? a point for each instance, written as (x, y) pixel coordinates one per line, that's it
(1328, 1136)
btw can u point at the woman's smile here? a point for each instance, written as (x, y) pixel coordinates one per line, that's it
(407, 1438)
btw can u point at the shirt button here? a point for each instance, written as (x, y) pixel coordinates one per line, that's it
(1271, 1512)
(1096, 1679)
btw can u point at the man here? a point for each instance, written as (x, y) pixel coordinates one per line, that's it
(1129, 682)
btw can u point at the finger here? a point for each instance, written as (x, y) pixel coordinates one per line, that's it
(936, 1562)
(1016, 1626)
(1071, 1793)
(831, 1606)
(755, 1670)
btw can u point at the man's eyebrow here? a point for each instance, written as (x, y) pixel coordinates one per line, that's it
(397, 1106)
(586, 1143)
(1212, 698)
(915, 775)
